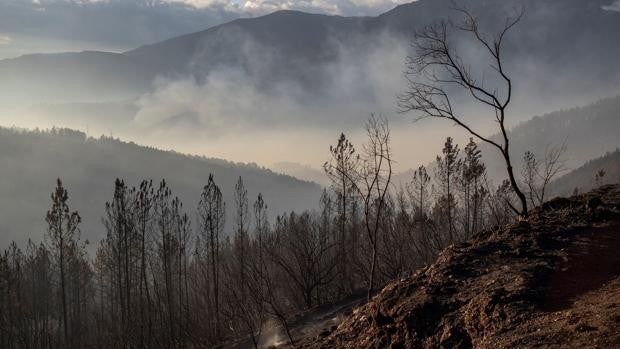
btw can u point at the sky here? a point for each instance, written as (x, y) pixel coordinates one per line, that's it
(43, 26)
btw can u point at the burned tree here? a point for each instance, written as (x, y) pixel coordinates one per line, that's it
(211, 218)
(437, 67)
(446, 174)
(371, 179)
(344, 163)
(62, 233)
(538, 174)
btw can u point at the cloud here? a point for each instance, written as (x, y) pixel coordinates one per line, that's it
(335, 7)
(320, 6)
(614, 6)
(5, 39)
(230, 115)
(229, 99)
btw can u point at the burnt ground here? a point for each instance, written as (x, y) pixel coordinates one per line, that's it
(551, 281)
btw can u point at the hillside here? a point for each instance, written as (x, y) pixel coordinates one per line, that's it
(32, 160)
(552, 279)
(584, 178)
(587, 131)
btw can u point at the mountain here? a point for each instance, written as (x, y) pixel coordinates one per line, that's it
(577, 51)
(588, 132)
(294, 39)
(73, 77)
(289, 39)
(584, 179)
(32, 160)
(545, 279)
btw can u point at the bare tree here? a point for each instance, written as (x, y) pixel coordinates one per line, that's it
(418, 190)
(344, 164)
(211, 218)
(538, 174)
(437, 66)
(119, 224)
(446, 175)
(473, 170)
(63, 230)
(304, 254)
(371, 180)
(144, 206)
(241, 231)
(244, 294)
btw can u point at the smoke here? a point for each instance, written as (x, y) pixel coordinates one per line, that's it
(233, 114)
(230, 99)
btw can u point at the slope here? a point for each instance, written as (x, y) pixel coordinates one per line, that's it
(584, 178)
(551, 280)
(588, 132)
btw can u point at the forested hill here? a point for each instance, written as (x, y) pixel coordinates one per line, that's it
(32, 160)
(599, 171)
(588, 132)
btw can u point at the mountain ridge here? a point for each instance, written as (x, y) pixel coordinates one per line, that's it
(297, 41)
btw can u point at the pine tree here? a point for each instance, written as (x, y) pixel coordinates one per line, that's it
(62, 233)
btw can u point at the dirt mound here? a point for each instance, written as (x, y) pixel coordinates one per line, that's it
(551, 281)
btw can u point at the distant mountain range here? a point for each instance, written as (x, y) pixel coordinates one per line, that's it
(32, 160)
(558, 41)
